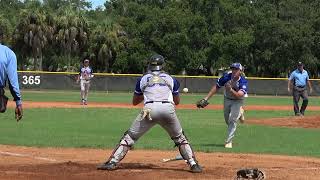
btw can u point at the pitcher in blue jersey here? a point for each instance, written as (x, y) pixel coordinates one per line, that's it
(8, 74)
(160, 93)
(236, 87)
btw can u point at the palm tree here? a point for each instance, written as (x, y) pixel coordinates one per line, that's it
(72, 33)
(106, 44)
(32, 35)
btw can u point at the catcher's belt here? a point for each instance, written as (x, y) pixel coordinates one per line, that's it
(163, 102)
(3, 101)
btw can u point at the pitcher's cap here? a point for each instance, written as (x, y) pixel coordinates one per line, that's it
(237, 66)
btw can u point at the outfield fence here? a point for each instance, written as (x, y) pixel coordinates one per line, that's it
(38, 80)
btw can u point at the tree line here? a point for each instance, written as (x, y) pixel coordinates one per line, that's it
(197, 37)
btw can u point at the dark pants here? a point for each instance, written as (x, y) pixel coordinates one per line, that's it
(3, 101)
(297, 93)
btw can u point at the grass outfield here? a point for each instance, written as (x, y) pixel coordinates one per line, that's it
(102, 128)
(72, 96)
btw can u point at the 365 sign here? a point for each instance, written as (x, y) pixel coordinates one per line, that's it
(31, 80)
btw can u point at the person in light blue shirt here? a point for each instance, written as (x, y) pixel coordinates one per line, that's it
(9, 75)
(297, 85)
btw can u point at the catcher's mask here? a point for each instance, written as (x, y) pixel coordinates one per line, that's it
(155, 62)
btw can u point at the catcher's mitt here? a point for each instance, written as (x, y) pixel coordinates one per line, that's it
(250, 174)
(202, 103)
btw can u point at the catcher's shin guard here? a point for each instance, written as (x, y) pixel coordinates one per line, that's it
(121, 149)
(185, 149)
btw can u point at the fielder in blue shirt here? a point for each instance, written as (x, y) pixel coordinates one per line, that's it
(297, 85)
(8, 74)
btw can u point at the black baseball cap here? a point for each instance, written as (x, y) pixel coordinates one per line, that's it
(300, 63)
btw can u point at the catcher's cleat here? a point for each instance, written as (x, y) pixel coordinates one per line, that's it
(107, 166)
(196, 168)
(228, 145)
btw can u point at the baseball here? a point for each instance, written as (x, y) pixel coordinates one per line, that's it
(185, 90)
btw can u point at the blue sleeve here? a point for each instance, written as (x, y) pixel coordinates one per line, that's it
(222, 80)
(137, 90)
(243, 85)
(176, 86)
(291, 76)
(13, 77)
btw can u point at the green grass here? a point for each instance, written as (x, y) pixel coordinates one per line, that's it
(102, 128)
(74, 96)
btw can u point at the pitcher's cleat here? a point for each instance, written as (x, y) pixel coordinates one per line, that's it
(228, 145)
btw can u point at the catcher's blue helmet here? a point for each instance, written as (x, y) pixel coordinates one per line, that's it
(155, 62)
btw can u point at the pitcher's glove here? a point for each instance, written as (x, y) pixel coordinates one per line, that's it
(202, 103)
(250, 174)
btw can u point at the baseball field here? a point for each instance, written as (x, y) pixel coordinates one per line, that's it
(60, 139)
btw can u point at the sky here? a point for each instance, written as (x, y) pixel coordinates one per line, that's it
(96, 3)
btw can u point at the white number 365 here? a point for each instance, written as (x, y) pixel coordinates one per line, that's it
(31, 80)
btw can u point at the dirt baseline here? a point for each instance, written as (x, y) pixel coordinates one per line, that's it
(33, 104)
(18, 162)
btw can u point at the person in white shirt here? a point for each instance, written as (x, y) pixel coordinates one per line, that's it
(85, 75)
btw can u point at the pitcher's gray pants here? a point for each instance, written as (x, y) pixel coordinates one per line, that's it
(231, 116)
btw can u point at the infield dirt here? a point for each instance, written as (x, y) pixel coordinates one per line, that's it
(18, 162)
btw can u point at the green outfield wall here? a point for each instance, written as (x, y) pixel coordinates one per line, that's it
(37, 80)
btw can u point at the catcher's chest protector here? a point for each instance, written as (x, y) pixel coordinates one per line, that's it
(156, 79)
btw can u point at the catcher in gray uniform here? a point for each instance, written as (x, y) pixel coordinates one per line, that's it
(235, 90)
(160, 93)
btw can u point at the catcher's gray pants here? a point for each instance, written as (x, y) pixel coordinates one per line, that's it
(297, 93)
(231, 115)
(152, 114)
(84, 87)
